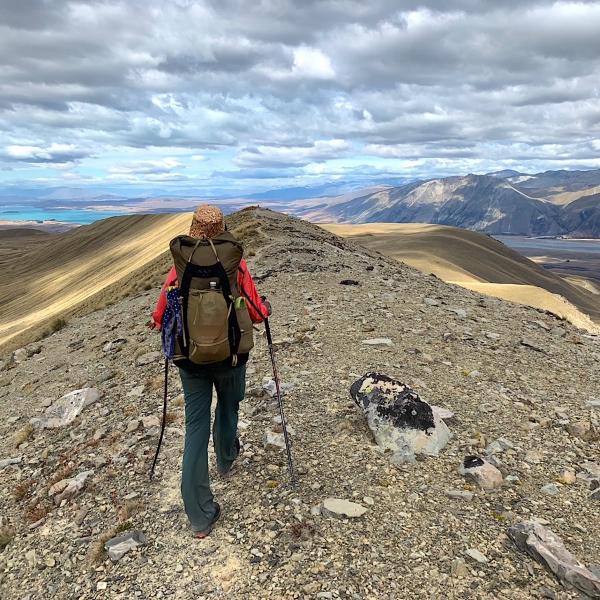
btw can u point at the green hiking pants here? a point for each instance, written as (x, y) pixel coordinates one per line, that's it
(230, 384)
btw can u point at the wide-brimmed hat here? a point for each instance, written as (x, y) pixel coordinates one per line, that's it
(207, 221)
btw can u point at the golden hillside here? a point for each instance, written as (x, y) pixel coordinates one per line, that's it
(478, 262)
(81, 270)
(56, 277)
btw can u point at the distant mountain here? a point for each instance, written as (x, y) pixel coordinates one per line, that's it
(506, 173)
(487, 203)
(564, 180)
(507, 201)
(321, 191)
(66, 193)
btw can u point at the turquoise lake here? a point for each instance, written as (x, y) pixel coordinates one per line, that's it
(70, 215)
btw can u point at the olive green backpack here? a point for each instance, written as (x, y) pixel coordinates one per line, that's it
(215, 319)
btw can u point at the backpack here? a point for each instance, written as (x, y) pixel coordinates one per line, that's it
(214, 316)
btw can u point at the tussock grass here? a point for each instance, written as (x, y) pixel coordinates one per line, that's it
(37, 510)
(251, 235)
(96, 552)
(23, 434)
(129, 510)
(24, 488)
(171, 417)
(7, 535)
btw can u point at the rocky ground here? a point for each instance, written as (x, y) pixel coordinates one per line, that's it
(504, 370)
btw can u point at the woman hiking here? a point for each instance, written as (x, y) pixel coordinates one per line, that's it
(228, 377)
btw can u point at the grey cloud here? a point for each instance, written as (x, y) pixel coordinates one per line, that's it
(438, 78)
(39, 155)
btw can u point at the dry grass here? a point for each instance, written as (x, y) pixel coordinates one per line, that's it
(37, 510)
(24, 489)
(250, 234)
(106, 261)
(171, 417)
(344, 426)
(129, 510)
(96, 552)
(23, 434)
(7, 534)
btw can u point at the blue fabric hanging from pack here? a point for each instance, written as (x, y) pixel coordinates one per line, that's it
(171, 325)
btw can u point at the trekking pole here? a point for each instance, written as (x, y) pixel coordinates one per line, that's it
(285, 433)
(164, 419)
(276, 379)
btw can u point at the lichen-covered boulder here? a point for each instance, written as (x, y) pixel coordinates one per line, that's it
(399, 419)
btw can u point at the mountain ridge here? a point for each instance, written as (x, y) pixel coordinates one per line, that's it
(516, 386)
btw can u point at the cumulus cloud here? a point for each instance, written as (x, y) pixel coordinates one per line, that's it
(57, 154)
(142, 167)
(288, 85)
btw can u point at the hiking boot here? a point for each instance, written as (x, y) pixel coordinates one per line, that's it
(200, 535)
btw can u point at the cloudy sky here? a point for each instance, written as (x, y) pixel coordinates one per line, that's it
(256, 94)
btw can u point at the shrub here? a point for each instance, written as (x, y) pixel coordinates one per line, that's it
(6, 536)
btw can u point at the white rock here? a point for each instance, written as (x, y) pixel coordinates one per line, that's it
(148, 358)
(118, 546)
(548, 549)
(459, 568)
(73, 487)
(342, 509)
(65, 409)
(550, 489)
(136, 391)
(476, 555)
(19, 355)
(273, 441)
(10, 461)
(396, 429)
(459, 495)
(378, 342)
(442, 413)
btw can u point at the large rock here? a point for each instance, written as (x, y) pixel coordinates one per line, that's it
(65, 409)
(485, 474)
(73, 486)
(342, 509)
(119, 546)
(399, 419)
(548, 549)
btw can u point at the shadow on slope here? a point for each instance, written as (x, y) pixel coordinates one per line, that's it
(89, 267)
(467, 258)
(81, 270)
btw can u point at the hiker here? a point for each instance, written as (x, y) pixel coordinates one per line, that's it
(228, 376)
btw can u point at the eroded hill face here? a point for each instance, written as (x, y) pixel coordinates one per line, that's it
(478, 262)
(504, 370)
(516, 205)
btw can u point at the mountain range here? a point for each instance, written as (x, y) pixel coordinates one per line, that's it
(553, 203)
(549, 204)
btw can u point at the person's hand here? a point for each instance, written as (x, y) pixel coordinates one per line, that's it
(267, 305)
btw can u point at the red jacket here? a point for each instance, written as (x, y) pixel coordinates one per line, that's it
(245, 285)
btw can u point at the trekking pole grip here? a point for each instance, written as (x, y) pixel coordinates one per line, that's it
(268, 331)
